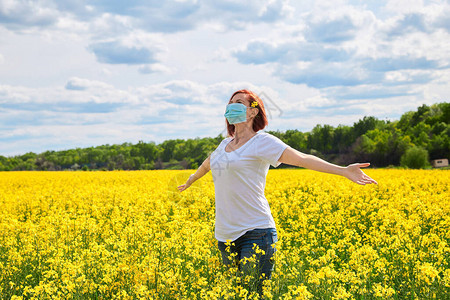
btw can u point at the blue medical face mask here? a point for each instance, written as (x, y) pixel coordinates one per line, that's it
(236, 113)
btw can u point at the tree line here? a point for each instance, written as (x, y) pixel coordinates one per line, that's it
(418, 137)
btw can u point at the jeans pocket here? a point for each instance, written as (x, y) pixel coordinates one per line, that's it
(274, 237)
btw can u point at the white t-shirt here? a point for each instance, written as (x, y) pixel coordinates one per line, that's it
(239, 181)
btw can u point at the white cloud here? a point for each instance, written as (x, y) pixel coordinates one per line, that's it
(115, 52)
(134, 48)
(82, 84)
(154, 68)
(404, 6)
(85, 109)
(166, 69)
(349, 46)
(163, 16)
(17, 14)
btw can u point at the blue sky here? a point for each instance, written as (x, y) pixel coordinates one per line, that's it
(85, 73)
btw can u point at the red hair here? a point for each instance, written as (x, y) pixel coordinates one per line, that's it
(259, 121)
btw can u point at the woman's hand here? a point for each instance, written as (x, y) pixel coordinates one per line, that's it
(186, 185)
(202, 170)
(183, 187)
(355, 174)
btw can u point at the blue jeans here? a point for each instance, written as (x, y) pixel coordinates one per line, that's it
(243, 247)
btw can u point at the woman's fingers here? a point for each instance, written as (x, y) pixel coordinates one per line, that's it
(363, 178)
(183, 187)
(371, 180)
(366, 180)
(363, 165)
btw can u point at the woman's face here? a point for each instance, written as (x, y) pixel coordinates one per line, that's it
(244, 99)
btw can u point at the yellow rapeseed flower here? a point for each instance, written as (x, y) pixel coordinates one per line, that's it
(132, 235)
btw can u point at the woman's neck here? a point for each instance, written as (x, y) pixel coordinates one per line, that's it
(242, 132)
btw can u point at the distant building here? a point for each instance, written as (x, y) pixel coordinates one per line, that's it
(438, 163)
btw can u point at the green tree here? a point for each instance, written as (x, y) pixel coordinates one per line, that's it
(405, 121)
(420, 115)
(382, 143)
(168, 149)
(366, 124)
(415, 158)
(342, 138)
(321, 138)
(445, 109)
(296, 139)
(439, 145)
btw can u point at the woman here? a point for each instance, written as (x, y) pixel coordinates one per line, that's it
(239, 166)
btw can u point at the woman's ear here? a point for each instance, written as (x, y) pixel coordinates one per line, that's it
(257, 112)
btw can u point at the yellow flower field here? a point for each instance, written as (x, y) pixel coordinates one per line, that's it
(132, 235)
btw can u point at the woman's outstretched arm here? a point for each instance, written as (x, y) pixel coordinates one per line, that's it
(202, 170)
(353, 172)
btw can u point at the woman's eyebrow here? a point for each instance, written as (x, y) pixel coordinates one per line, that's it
(238, 100)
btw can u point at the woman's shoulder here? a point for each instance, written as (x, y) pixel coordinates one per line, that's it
(262, 135)
(268, 139)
